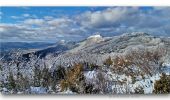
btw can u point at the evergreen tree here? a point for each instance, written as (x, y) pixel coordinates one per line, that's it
(139, 90)
(45, 77)
(1, 68)
(23, 82)
(11, 82)
(37, 76)
(57, 75)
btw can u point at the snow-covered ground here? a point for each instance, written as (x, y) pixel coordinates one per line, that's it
(38, 90)
(147, 83)
(66, 92)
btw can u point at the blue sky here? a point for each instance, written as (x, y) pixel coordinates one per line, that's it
(40, 12)
(50, 24)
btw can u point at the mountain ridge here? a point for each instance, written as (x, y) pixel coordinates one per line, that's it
(99, 51)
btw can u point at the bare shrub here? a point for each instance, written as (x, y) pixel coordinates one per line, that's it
(120, 63)
(108, 61)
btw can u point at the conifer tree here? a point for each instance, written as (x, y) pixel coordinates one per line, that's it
(11, 82)
(162, 86)
(45, 77)
(37, 76)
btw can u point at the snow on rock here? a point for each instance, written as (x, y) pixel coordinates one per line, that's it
(88, 42)
(166, 64)
(166, 68)
(4, 91)
(90, 74)
(147, 84)
(66, 92)
(94, 36)
(93, 39)
(20, 92)
(62, 41)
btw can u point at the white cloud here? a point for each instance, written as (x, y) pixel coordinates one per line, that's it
(2, 29)
(108, 22)
(15, 17)
(105, 18)
(26, 15)
(21, 17)
(59, 21)
(111, 20)
(50, 30)
(48, 17)
(34, 21)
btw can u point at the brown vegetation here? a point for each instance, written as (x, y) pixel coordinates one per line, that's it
(162, 86)
(73, 78)
(147, 61)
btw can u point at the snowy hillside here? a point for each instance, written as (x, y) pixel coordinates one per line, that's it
(98, 51)
(132, 63)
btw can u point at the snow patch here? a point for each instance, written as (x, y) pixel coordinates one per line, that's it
(38, 90)
(66, 92)
(94, 36)
(90, 74)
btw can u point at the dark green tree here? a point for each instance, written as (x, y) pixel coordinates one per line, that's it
(37, 76)
(1, 68)
(22, 82)
(139, 90)
(45, 77)
(11, 82)
(59, 73)
(162, 86)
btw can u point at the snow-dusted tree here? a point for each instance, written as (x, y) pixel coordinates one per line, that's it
(146, 59)
(102, 83)
(22, 83)
(37, 76)
(46, 75)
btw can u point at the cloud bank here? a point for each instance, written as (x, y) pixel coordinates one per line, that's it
(108, 22)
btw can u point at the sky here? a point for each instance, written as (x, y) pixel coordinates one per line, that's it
(51, 24)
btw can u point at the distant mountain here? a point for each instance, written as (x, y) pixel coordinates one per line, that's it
(54, 49)
(7, 46)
